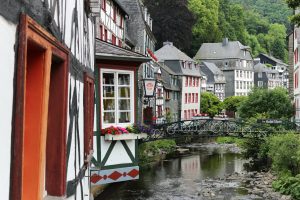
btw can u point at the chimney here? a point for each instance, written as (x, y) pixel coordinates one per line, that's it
(225, 42)
(168, 43)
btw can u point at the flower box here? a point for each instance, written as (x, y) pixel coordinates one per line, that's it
(126, 136)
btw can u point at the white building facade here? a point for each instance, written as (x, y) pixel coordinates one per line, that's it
(47, 54)
(296, 66)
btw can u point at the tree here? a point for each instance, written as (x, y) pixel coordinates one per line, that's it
(210, 104)
(172, 21)
(232, 103)
(269, 103)
(256, 48)
(294, 4)
(205, 29)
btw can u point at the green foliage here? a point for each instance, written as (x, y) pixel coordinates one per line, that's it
(269, 103)
(210, 104)
(288, 185)
(275, 11)
(256, 48)
(230, 140)
(233, 102)
(205, 29)
(172, 21)
(148, 152)
(294, 4)
(252, 149)
(284, 150)
(169, 117)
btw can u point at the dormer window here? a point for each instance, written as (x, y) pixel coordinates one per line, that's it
(183, 64)
(190, 65)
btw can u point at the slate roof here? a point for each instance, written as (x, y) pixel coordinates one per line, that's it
(173, 57)
(121, 6)
(212, 71)
(232, 50)
(166, 73)
(260, 68)
(213, 68)
(176, 66)
(274, 59)
(107, 51)
(170, 52)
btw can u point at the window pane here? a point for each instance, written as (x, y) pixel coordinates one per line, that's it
(108, 78)
(108, 91)
(124, 104)
(109, 117)
(109, 104)
(124, 117)
(124, 92)
(124, 79)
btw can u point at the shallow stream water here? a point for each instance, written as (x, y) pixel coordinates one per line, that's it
(187, 177)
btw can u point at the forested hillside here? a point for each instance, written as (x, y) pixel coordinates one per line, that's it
(260, 24)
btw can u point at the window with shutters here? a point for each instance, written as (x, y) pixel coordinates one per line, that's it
(88, 105)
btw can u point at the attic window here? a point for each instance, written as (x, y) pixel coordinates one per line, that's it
(184, 64)
(190, 65)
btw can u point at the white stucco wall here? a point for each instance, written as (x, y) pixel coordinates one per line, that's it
(7, 62)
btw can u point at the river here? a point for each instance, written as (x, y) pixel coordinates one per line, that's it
(187, 177)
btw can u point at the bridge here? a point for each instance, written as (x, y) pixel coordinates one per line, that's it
(219, 127)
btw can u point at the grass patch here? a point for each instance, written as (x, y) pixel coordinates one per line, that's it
(230, 140)
(151, 151)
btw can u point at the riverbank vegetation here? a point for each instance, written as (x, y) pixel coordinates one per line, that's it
(150, 152)
(281, 154)
(230, 140)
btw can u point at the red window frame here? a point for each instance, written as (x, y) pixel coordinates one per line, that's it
(88, 105)
(159, 111)
(186, 81)
(101, 32)
(159, 92)
(103, 5)
(114, 40)
(114, 13)
(121, 21)
(296, 80)
(105, 35)
(185, 114)
(190, 96)
(197, 97)
(186, 98)
(193, 98)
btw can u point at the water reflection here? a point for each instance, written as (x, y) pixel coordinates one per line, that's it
(178, 178)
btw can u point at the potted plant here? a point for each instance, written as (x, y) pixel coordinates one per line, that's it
(119, 133)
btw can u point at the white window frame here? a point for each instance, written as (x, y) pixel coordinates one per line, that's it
(116, 85)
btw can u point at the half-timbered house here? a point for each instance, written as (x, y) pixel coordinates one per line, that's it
(47, 98)
(116, 71)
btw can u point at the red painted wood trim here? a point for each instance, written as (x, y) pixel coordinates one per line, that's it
(88, 105)
(26, 28)
(17, 122)
(57, 127)
(116, 65)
